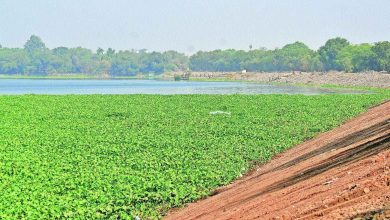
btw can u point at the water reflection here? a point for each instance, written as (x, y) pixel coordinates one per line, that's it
(45, 86)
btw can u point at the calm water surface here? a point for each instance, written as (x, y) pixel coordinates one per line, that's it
(48, 86)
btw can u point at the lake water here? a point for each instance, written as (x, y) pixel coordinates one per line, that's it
(48, 86)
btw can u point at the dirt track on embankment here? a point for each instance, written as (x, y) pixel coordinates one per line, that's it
(341, 174)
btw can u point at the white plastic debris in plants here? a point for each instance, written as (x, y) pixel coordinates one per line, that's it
(220, 113)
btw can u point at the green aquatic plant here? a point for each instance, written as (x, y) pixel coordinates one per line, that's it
(121, 156)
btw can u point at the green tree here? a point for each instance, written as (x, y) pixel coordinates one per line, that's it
(34, 44)
(174, 61)
(315, 63)
(82, 60)
(218, 60)
(356, 58)
(258, 60)
(125, 63)
(381, 52)
(13, 61)
(40, 56)
(328, 53)
(294, 56)
(61, 61)
(100, 53)
(110, 52)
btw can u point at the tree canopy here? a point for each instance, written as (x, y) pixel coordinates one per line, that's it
(330, 51)
(337, 54)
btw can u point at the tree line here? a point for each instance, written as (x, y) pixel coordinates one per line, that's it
(337, 54)
(36, 59)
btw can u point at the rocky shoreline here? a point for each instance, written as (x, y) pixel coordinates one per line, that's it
(370, 79)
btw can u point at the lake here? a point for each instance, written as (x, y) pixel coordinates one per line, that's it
(87, 86)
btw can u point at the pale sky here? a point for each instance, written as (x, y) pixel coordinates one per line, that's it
(191, 25)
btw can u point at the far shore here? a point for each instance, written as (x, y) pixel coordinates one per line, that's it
(67, 76)
(366, 79)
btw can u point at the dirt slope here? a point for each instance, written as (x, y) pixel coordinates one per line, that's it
(341, 174)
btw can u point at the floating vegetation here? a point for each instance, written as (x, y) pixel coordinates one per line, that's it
(122, 156)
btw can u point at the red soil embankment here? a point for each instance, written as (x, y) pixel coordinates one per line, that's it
(337, 175)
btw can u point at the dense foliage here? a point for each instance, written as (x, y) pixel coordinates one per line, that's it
(37, 59)
(337, 54)
(118, 156)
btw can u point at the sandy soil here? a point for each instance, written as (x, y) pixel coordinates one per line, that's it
(371, 79)
(341, 174)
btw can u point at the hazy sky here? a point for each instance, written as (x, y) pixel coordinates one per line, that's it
(190, 25)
